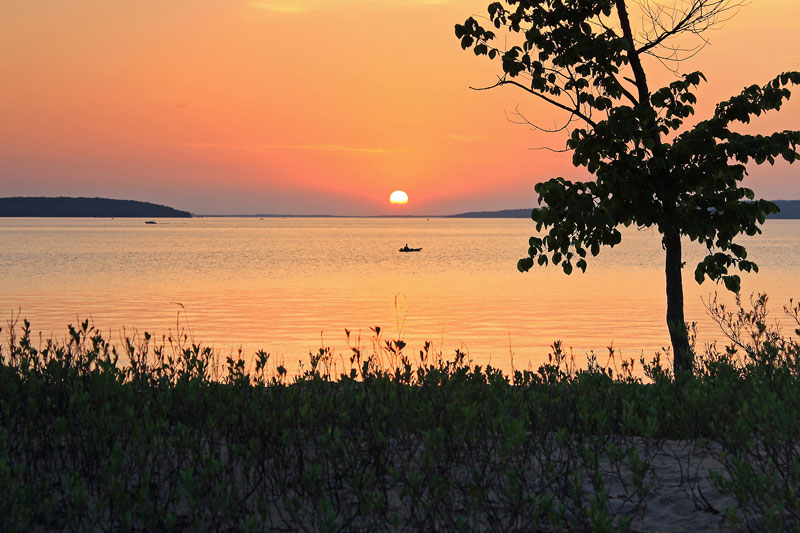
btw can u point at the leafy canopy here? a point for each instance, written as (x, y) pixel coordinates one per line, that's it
(649, 169)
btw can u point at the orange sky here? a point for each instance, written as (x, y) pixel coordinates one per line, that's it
(304, 106)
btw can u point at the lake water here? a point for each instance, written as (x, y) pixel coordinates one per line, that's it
(289, 285)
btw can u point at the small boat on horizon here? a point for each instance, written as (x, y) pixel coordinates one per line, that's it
(150, 222)
(407, 249)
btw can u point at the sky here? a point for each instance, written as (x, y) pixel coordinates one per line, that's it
(308, 106)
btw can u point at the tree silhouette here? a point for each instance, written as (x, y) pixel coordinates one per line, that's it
(585, 58)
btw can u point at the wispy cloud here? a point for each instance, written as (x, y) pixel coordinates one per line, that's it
(281, 7)
(367, 150)
(302, 6)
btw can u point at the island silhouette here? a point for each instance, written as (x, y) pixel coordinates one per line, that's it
(39, 206)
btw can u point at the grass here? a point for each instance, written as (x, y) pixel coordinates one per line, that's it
(158, 436)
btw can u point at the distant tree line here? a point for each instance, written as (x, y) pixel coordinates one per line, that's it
(84, 207)
(788, 209)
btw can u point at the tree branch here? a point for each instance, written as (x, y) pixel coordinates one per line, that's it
(576, 112)
(695, 19)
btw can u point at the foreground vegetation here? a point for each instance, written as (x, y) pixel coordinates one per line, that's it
(156, 436)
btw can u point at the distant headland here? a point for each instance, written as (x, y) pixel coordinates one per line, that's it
(789, 209)
(39, 206)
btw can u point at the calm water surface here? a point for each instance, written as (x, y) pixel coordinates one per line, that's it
(288, 285)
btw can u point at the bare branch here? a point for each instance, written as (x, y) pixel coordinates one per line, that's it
(524, 121)
(577, 112)
(547, 148)
(692, 17)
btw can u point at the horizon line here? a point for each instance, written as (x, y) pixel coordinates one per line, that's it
(318, 215)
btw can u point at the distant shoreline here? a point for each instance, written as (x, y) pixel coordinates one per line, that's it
(790, 209)
(68, 207)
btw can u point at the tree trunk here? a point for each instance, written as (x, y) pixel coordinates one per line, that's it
(684, 358)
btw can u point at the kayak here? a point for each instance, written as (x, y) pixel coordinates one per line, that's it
(410, 249)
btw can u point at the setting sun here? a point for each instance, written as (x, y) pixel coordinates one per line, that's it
(398, 197)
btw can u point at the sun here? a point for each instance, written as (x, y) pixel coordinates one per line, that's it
(398, 197)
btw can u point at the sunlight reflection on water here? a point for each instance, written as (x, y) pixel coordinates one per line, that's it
(286, 285)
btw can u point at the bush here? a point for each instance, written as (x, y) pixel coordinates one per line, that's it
(162, 436)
